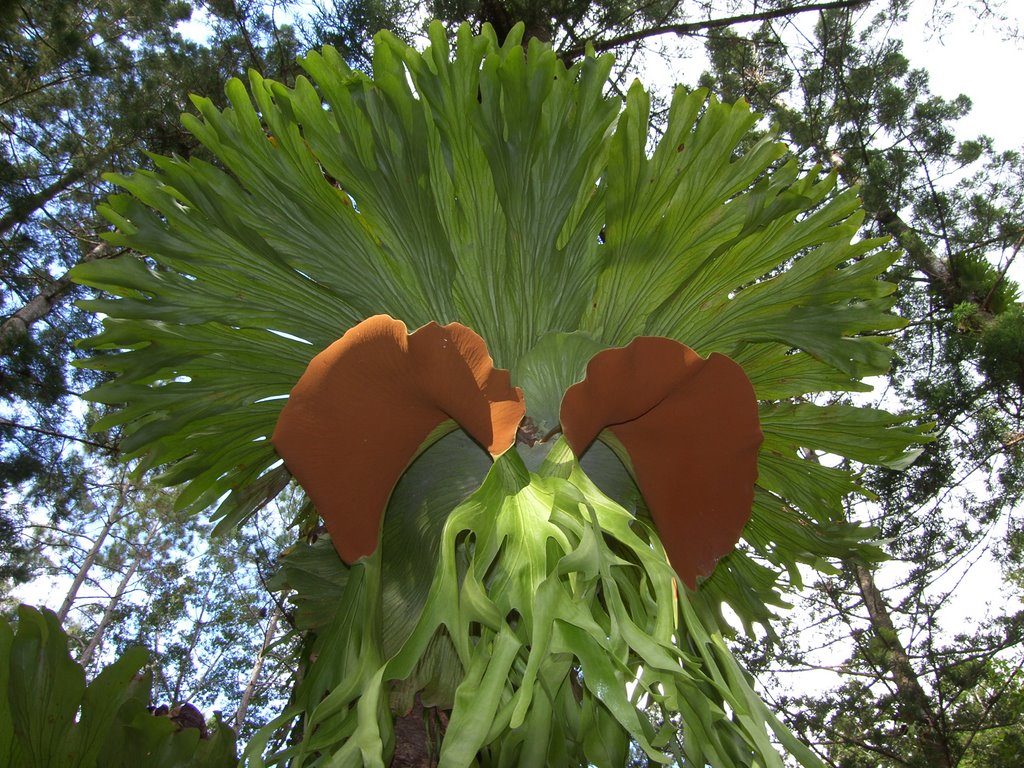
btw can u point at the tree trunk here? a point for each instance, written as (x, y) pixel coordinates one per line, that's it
(17, 325)
(914, 703)
(115, 599)
(113, 516)
(83, 570)
(268, 638)
(920, 256)
(415, 732)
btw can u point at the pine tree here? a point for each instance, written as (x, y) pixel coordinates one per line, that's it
(954, 208)
(87, 88)
(959, 361)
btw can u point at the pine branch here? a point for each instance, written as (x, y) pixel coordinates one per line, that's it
(1002, 272)
(897, 664)
(980, 726)
(42, 85)
(23, 207)
(59, 435)
(693, 27)
(921, 256)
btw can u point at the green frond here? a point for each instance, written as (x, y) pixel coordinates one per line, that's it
(481, 183)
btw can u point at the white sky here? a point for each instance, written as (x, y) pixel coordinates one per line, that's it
(976, 59)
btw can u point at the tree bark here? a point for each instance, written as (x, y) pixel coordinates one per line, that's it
(257, 668)
(693, 27)
(23, 207)
(921, 256)
(108, 614)
(17, 325)
(414, 734)
(914, 704)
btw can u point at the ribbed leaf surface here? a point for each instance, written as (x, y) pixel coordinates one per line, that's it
(491, 186)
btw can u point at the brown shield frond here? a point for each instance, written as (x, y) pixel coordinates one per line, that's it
(690, 426)
(365, 405)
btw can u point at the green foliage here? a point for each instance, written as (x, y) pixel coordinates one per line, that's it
(995, 709)
(954, 209)
(87, 87)
(983, 722)
(348, 26)
(50, 718)
(1001, 350)
(976, 280)
(494, 186)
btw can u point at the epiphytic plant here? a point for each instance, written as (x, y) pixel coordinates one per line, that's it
(606, 387)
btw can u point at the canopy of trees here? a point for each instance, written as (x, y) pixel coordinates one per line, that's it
(94, 88)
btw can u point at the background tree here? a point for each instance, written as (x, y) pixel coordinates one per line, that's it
(954, 207)
(142, 573)
(86, 88)
(89, 88)
(837, 102)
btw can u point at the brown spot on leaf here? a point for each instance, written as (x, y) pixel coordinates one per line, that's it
(364, 406)
(691, 428)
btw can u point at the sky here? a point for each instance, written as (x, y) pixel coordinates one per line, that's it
(975, 58)
(964, 56)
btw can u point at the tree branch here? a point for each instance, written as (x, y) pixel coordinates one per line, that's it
(690, 28)
(998, 694)
(268, 637)
(23, 207)
(921, 256)
(40, 86)
(17, 325)
(914, 700)
(59, 435)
